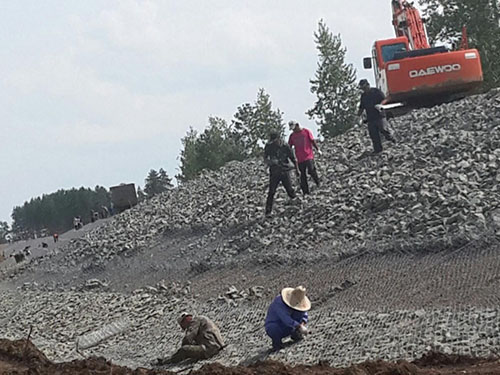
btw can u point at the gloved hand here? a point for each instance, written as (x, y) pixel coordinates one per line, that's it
(319, 152)
(378, 107)
(302, 329)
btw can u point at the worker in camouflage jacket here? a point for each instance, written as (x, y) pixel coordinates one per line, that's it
(202, 339)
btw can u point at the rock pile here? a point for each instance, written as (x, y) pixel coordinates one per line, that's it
(439, 183)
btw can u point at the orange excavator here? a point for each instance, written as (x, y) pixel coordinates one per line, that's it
(413, 74)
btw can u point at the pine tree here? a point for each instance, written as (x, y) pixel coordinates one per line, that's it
(188, 157)
(445, 20)
(254, 123)
(152, 184)
(165, 181)
(334, 85)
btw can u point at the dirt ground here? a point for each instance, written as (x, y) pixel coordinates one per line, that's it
(21, 357)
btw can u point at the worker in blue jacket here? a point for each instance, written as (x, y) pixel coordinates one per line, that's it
(287, 316)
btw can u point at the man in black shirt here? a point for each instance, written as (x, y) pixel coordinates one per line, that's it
(278, 157)
(371, 99)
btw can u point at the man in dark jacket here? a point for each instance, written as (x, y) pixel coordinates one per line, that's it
(202, 339)
(371, 101)
(278, 157)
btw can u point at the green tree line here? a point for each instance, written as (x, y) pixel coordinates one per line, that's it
(55, 212)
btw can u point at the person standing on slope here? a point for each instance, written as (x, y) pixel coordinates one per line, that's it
(371, 101)
(278, 157)
(303, 142)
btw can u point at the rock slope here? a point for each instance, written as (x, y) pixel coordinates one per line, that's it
(439, 183)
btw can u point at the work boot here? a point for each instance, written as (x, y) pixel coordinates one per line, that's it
(276, 348)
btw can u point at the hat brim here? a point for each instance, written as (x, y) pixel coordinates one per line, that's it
(304, 305)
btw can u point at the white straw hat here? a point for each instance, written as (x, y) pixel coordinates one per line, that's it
(296, 298)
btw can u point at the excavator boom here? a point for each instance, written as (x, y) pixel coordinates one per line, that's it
(407, 22)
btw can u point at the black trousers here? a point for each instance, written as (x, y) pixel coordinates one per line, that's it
(274, 180)
(375, 128)
(307, 167)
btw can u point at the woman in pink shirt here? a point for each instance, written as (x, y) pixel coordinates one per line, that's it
(303, 142)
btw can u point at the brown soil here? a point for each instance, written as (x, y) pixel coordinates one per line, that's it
(451, 365)
(23, 358)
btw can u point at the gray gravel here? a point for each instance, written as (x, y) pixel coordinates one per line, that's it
(341, 337)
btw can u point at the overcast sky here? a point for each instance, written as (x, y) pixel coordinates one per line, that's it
(99, 92)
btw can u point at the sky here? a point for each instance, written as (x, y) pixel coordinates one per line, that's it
(100, 92)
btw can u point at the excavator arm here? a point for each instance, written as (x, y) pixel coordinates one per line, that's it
(407, 22)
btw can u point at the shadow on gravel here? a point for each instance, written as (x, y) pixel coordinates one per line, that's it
(22, 357)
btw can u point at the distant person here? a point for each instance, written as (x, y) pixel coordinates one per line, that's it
(287, 316)
(202, 340)
(104, 212)
(302, 141)
(18, 257)
(280, 160)
(56, 237)
(77, 222)
(371, 101)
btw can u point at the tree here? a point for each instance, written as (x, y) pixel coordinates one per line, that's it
(334, 85)
(165, 180)
(140, 194)
(445, 19)
(4, 231)
(253, 123)
(211, 149)
(188, 157)
(152, 183)
(156, 183)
